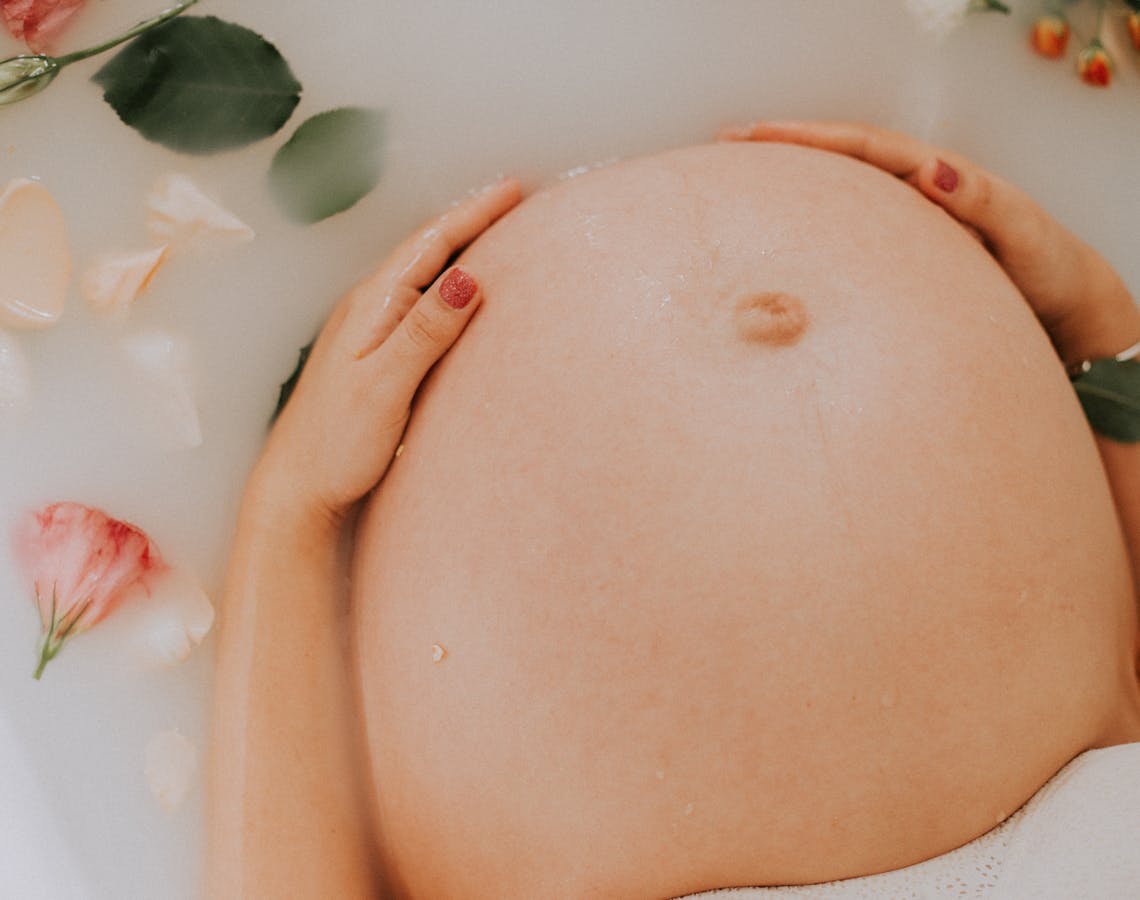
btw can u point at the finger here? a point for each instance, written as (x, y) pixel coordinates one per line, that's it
(891, 151)
(1005, 218)
(423, 336)
(418, 260)
(383, 317)
(992, 209)
(378, 303)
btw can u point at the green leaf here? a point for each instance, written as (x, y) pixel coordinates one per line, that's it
(331, 161)
(200, 85)
(1110, 395)
(291, 382)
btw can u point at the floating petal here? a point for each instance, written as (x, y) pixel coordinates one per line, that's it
(35, 261)
(112, 282)
(36, 22)
(171, 762)
(179, 212)
(15, 380)
(939, 17)
(176, 620)
(163, 363)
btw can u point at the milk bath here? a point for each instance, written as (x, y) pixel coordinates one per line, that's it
(470, 91)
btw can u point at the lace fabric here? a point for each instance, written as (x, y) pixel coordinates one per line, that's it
(1076, 837)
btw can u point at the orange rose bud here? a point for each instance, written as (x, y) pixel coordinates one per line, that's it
(1050, 36)
(1094, 65)
(1134, 29)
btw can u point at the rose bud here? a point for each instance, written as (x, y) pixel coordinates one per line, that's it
(1050, 36)
(23, 76)
(1094, 65)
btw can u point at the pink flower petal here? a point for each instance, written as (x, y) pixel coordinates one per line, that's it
(36, 22)
(84, 560)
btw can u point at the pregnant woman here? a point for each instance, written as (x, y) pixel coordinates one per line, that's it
(751, 535)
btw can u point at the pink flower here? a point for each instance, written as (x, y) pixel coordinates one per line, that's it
(83, 565)
(36, 22)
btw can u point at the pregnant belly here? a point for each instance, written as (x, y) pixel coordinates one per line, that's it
(750, 535)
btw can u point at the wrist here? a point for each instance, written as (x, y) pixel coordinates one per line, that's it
(1098, 330)
(275, 503)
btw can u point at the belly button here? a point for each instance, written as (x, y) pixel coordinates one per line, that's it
(774, 318)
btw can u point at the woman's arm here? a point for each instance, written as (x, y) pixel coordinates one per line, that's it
(288, 797)
(1078, 297)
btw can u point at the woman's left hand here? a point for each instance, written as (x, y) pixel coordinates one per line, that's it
(1075, 293)
(340, 429)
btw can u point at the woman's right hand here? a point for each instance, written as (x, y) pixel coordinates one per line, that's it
(1076, 294)
(341, 427)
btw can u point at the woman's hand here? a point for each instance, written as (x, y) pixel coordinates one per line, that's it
(1077, 296)
(339, 431)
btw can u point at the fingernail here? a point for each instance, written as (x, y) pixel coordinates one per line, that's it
(946, 177)
(457, 288)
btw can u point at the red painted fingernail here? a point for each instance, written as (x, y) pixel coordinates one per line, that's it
(946, 177)
(457, 289)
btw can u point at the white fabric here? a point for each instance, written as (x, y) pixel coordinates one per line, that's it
(1079, 836)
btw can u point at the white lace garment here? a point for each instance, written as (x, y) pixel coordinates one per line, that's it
(1077, 837)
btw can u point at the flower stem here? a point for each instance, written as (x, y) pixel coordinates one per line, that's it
(145, 25)
(989, 6)
(50, 649)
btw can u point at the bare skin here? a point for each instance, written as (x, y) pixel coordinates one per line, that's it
(551, 708)
(287, 815)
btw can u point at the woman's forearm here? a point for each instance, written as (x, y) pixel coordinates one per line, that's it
(289, 788)
(287, 818)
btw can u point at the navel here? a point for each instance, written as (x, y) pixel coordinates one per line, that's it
(773, 318)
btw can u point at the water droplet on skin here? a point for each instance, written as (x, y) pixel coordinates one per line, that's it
(688, 809)
(437, 653)
(660, 775)
(887, 699)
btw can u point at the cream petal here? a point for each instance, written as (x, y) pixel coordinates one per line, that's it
(179, 213)
(166, 377)
(15, 377)
(177, 619)
(35, 259)
(111, 282)
(171, 763)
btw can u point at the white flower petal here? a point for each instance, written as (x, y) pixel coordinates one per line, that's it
(180, 213)
(162, 362)
(171, 763)
(174, 620)
(111, 282)
(15, 377)
(939, 17)
(35, 258)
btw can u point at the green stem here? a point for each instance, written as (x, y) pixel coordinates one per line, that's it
(145, 25)
(46, 656)
(53, 643)
(989, 6)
